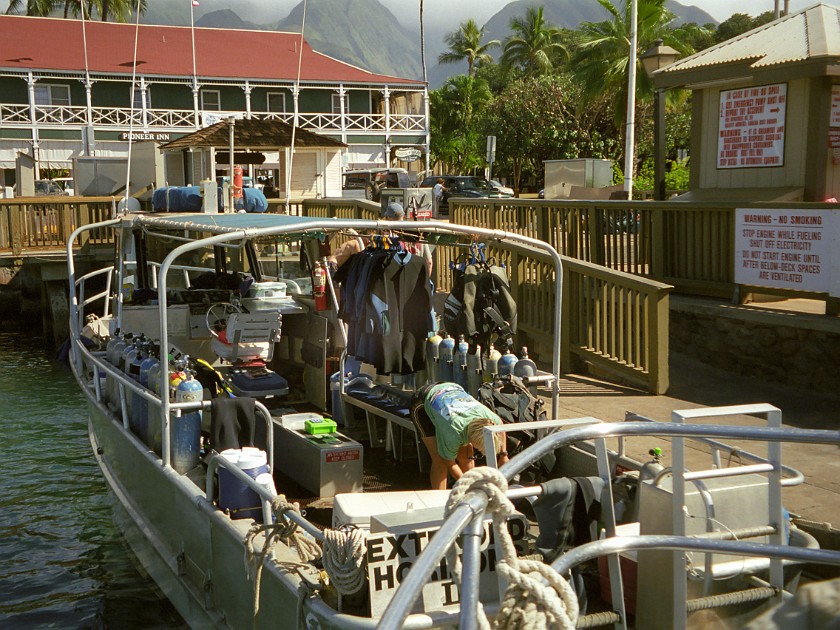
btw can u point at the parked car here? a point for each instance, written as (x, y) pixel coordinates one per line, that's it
(66, 184)
(495, 184)
(47, 187)
(462, 186)
(367, 183)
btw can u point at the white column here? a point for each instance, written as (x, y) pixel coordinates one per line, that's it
(342, 113)
(30, 80)
(196, 112)
(426, 123)
(247, 89)
(144, 103)
(386, 104)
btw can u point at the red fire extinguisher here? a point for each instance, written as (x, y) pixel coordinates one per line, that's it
(319, 286)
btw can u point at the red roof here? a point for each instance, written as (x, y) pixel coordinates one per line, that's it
(30, 43)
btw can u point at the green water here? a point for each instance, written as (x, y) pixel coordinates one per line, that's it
(63, 564)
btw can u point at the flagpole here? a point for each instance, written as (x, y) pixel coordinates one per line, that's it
(630, 130)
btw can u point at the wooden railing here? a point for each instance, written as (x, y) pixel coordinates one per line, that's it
(38, 225)
(615, 322)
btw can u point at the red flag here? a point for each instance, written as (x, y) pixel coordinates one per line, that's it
(195, 3)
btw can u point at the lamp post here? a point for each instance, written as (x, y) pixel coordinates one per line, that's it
(655, 58)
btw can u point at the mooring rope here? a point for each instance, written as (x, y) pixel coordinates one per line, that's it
(344, 558)
(537, 596)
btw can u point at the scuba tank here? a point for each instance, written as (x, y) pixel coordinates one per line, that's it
(110, 358)
(491, 365)
(126, 359)
(141, 405)
(433, 356)
(474, 370)
(507, 363)
(115, 358)
(647, 473)
(185, 431)
(459, 365)
(153, 411)
(525, 367)
(132, 368)
(447, 357)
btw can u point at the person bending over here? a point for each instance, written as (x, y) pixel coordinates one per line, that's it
(450, 423)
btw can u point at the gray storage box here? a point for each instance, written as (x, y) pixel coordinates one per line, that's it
(323, 464)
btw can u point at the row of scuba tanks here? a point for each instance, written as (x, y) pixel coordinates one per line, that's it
(448, 360)
(139, 358)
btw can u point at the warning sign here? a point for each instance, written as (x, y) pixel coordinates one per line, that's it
(751, 131)
(342, 456)
(788, 249)
(390, 557)
(835, 106)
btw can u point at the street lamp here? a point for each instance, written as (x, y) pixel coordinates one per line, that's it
(655, 58)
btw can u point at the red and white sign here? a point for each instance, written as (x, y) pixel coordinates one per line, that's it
(751, 132)
(342, 456)
(785, 249)
(835, 106)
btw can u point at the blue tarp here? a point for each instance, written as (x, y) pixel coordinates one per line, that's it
(188, 199)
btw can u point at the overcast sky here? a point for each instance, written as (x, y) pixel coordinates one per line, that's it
(455, 11)
(483, 10)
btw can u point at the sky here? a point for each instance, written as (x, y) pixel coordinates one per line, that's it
(455, 11)
(483, 10)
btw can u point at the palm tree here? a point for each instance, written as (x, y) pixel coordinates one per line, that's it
(38, 8)
(601, 60)
(465, 43)
(533, 44)
(120, 10)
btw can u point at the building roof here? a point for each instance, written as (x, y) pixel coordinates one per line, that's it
(810, 37)
(31, 43)
(253, 134)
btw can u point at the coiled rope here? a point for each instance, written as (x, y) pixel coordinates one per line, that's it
(344, 558)
(537, 596)
(281, 529)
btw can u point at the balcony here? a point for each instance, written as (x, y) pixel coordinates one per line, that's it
(121, 118)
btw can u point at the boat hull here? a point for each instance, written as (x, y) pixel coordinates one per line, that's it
(194, 552)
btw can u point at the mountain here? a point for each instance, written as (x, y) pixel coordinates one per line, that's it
(565, 13)
(226, 19)
(570, 13)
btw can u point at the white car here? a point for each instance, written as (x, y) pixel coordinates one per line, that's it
(66, 184)
(495, 184)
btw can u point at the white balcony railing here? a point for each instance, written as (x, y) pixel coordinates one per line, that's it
(121, 118)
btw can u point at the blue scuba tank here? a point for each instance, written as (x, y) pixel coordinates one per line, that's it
(185, 431)
(447, 357)
(507, 363)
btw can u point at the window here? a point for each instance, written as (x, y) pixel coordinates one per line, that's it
(138, 98)
(276, 102)
(52, 94)
(336, 104)
(211, 100)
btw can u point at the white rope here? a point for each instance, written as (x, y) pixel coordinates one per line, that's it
(281, 529)
(537, 596)
(344, 558)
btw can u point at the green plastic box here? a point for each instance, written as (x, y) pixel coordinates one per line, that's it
(319, 426)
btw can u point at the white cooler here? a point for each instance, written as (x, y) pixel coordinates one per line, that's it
(358, 509)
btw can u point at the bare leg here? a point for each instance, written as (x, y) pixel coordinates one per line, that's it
(465, 454)
(439, 468)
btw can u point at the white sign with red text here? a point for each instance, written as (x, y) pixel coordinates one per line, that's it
(786, 249)
(751, 132)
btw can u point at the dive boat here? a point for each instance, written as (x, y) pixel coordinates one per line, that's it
(204, 355)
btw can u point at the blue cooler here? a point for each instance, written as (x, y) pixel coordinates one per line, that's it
(236, 497)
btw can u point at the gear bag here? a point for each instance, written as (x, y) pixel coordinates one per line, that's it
(511, 400)
(480, 305)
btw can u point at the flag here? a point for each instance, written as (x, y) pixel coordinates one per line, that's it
(195, 3)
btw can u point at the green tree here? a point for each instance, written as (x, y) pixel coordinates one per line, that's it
(37, 8)
(534, 43)
(535, 119)
(466, 44)
(457, 114)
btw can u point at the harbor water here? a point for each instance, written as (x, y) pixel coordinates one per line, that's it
(64, 563)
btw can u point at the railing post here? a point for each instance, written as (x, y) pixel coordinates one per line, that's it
(657, 243)
(595, 221)
(16, 227)
(657, 330)
(569, 320)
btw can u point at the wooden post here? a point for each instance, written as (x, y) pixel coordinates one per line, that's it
(656, 323)
(657, 243)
